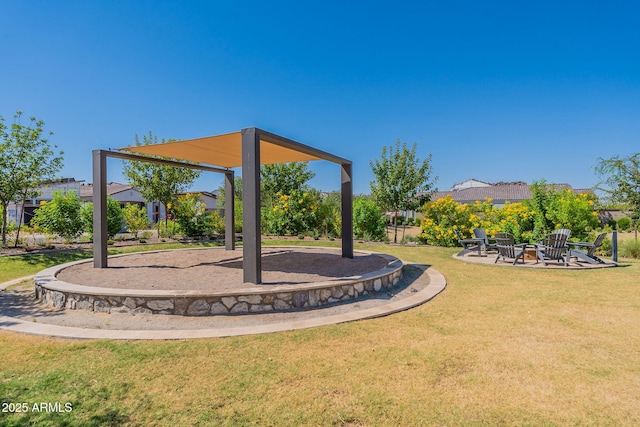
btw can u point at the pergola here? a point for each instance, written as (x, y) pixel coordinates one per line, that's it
(248, 149)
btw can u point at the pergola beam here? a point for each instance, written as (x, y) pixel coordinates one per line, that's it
(100, 232)
(251, 245)
(250, 163)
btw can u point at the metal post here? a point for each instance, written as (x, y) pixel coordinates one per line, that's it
(251, 245)
(100, 233)
(614, 245)
(346, 190)
(229, 209)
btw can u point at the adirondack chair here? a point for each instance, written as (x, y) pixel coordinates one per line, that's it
(588, 253)
(554, 248)
(507, 248)
(565, 231)
(481, 234)
(469, 244)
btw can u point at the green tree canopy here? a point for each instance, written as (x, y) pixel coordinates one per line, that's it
(401, 181)
(621, 183)
(26, 160)
(285, 178)
(156, 181)
(368, 220)
(115, 217)
(61, 215)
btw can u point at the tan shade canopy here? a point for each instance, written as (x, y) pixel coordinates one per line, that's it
(221, 150)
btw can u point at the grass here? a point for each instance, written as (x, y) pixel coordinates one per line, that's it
(499, 346)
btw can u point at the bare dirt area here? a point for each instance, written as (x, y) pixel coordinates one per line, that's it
(219, 269)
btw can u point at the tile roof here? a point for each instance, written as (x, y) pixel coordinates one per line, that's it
(499, 193)
(86, 190)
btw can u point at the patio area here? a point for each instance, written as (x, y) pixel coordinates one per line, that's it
(529, 261)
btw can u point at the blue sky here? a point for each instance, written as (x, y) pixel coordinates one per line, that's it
(497, 91)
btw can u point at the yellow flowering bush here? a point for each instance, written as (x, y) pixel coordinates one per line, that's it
(441, 218)
(292, 214)
(573, 211)
(527, 221)
(191, 216)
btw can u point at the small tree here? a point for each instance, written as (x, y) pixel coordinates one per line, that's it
(237, 203)
(192, 217)
(26, 160)
(135, 218)
(621, 183)
(368, 220)
(292, 214)
(61, 215)
(401, 181)
(283, 178)
(115, 217)
(329, 214)
(156, 181)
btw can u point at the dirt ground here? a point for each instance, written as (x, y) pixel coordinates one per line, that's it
(218, 269)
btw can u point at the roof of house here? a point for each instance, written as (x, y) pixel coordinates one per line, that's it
(499, 192)
(86, 190)
(213, 195)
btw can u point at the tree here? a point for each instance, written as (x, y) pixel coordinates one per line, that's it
(135, 218)
(329, 214)
(621, 183)
(237, 203)
(115, 217)
(192, 217)
(368, 220)
(156, 181)
(61, 215)
(285, 178)
(401, 181)
(293, 214)
(26, 160)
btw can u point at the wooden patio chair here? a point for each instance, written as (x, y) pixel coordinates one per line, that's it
(508, 249)
(553, 248)
(480, 233)
(565, 231)
(587, 250)
(469, 244)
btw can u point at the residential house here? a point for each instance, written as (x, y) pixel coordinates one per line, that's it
(46, 189)
(126, 194)
(499, 193)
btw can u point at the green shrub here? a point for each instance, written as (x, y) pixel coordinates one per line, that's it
(135, 218)
(61, 215)
(168, 228)
(191, 215)
(368, 220)
(291, 214)
(630, 248)
(114, 217)
(624, 224)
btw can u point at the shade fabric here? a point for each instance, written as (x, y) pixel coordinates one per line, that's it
(221, 150)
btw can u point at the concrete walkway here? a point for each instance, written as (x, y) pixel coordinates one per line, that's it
(430, 283)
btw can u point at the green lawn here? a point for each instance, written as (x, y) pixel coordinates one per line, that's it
(500, 346)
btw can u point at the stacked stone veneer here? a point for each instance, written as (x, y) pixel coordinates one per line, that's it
(285, 297)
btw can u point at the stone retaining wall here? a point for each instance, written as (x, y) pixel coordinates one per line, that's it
(287, 297)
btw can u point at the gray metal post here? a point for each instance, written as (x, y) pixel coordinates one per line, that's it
(100, 233)
(346, 190)
(614, 246)
(251, 245)
(229, 211)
